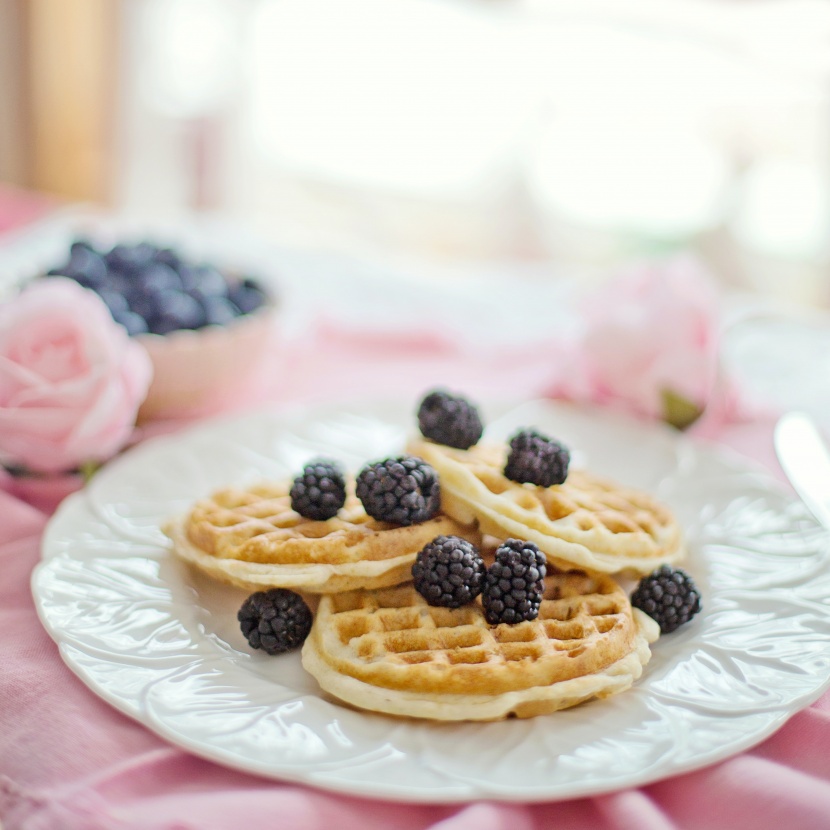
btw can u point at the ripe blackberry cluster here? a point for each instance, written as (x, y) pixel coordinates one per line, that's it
(514, 584)
(319, 491)
(669, 596)
(449, 419)
(152, 289)
(536, 459)
(402, 490)
(449, 572)
(275, 621)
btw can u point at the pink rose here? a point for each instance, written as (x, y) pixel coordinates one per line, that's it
(71, 380)
(649, 343)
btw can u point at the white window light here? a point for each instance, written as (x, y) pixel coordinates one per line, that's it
(784, 210)
(188, 55)
(412, 95)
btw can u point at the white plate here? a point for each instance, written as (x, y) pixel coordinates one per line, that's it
(162, 644)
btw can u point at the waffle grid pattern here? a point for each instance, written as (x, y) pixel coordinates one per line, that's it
(221, 524)
(586, 503)
(582, 620)
(586, 521)
(253, 539)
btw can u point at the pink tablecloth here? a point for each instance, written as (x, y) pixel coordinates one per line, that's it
(70, 762)
(19, 208)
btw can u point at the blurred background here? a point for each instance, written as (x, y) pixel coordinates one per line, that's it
(580, 132)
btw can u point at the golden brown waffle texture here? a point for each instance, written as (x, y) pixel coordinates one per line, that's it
(250, 537)
(586, 522)
(389, 650)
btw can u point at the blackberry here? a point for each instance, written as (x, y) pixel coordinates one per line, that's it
(669, 596)
(449, 419)
(449, 571)
(536, 459)
(402, 490)
(319, 491)
(275, 621)
(514, 584)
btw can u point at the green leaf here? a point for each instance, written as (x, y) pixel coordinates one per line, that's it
(678, 411)
(88, 469)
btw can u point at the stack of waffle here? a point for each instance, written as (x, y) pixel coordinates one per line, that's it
(377, 644)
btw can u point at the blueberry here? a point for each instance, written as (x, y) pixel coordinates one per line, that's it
(134, 323)
(146, 302)
(87, 267)
(130, 259)
(206, 282)
(167, 256)
(81, 243)
(250, 282)
(144, 253)
(164, 325)
(247, 298)
(189, 275)
(149, 287)
(177, 311)
(117, 283)
(118, 256)
(159, 277)
(219, 311)
(115, 300)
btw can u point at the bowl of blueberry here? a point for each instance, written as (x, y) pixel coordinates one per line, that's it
(207, 330)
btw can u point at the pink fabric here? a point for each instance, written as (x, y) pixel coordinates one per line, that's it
(68, 761)
(21, 207)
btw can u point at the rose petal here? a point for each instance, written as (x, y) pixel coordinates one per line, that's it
(71, 380)
(647, 329)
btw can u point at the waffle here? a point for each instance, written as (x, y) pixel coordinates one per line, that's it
(586, 522)
(252, 538)
(389, 651)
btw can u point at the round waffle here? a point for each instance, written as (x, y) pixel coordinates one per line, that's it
(586, 522)
(252, 538)
(389, 651)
